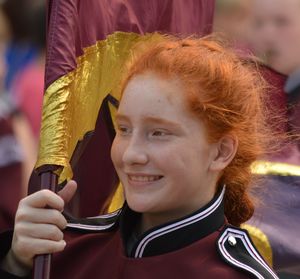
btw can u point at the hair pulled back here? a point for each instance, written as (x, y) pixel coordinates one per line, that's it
(226, 93)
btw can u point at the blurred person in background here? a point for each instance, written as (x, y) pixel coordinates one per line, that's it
(25, 57)
(16, 154)
(232, 19)
(17, 148)
(275, 37)
(271, 30)
(10, 156)
(19, 51)
(28, 85)
(276, 33)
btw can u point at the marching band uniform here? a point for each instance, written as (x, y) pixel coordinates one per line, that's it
(200, 245)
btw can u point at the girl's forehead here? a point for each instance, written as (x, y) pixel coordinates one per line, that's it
(162, 87)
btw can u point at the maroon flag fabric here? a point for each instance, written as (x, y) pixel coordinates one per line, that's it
(76, 24)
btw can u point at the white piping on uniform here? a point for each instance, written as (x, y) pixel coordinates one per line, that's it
(95, 227)
(243, 236)
(239, 264)
(193, 219)
(90, 227)
(109, 215)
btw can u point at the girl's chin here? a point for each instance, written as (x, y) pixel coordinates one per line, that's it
(139, 206)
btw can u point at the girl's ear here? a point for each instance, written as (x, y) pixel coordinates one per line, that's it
(225, 151)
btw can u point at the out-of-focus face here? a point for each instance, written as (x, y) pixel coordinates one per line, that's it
(232, 19)
(276, 33)
(160, 151)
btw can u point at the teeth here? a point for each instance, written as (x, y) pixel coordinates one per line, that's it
(141, 178)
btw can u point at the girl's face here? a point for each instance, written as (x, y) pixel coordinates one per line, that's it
(160, 151)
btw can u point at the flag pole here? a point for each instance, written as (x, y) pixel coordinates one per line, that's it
(48, 180)
(42, 262)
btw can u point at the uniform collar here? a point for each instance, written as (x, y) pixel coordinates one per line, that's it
(173, 235)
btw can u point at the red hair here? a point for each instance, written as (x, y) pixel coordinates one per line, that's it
(227, 94)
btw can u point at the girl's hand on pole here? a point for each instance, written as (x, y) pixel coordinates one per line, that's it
(38, 228)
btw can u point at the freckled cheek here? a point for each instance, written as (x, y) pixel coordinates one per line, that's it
(116, 153)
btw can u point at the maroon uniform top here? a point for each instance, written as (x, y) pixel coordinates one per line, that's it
(199, 245)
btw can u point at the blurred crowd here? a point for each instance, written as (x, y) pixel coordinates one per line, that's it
(268, 29)
(22, 55)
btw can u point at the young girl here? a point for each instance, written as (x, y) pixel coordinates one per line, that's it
(189, 125)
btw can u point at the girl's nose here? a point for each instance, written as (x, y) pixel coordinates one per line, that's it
(135, 152)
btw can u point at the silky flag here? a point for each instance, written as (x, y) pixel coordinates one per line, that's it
(87, 45)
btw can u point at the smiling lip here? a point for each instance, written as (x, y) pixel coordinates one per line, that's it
(141, 179)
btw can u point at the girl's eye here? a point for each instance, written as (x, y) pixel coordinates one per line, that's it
(123, 130)
(159, 133)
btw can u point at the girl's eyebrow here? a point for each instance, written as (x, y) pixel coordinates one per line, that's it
(120, 117)
(162, 121)
(149, 119)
